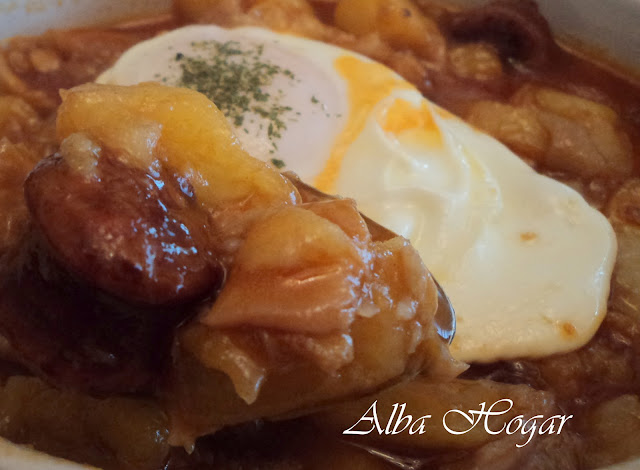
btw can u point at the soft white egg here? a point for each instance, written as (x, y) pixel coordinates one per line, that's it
(281, 104)
(525, 260)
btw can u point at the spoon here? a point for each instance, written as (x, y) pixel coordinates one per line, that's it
(445, 317)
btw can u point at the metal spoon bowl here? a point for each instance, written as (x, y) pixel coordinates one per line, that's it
(445, 317)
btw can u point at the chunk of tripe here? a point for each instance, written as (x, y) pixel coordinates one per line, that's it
(176, 127)
(306, 274)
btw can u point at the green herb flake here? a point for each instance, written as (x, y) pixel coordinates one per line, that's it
(236, 79)
(279, 164)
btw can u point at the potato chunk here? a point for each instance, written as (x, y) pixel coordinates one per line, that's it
(399, 22)
(292, 260)
(479, 62)
(586, 138)
(624, 214)
(519, 128)
(16, 160)
(114, 433)
(195, 139)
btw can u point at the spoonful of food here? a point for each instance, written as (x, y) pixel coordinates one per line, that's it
(445, 317)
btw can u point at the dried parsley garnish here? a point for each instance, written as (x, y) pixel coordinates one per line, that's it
(279, 164)
(236, 79)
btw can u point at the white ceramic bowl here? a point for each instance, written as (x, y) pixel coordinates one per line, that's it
(36, 16)
(608, 25)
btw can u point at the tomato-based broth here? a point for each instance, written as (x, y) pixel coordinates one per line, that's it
(191, 368)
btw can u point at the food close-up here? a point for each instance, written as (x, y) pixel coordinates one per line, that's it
(318, 234)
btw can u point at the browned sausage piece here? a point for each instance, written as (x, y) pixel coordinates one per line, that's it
(138, 235)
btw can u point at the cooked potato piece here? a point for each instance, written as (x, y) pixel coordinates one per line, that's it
(17, 118)
(476, 62)
(626, 277)
(399, 22)
(571, 106)
(585, 136)
(560, 131)
(295, 16)
(306, 275)
(192, 137)
(16, 161)
(624, 213)
(288, 15)
(222, 12)
(113, 433)
(519, 128)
